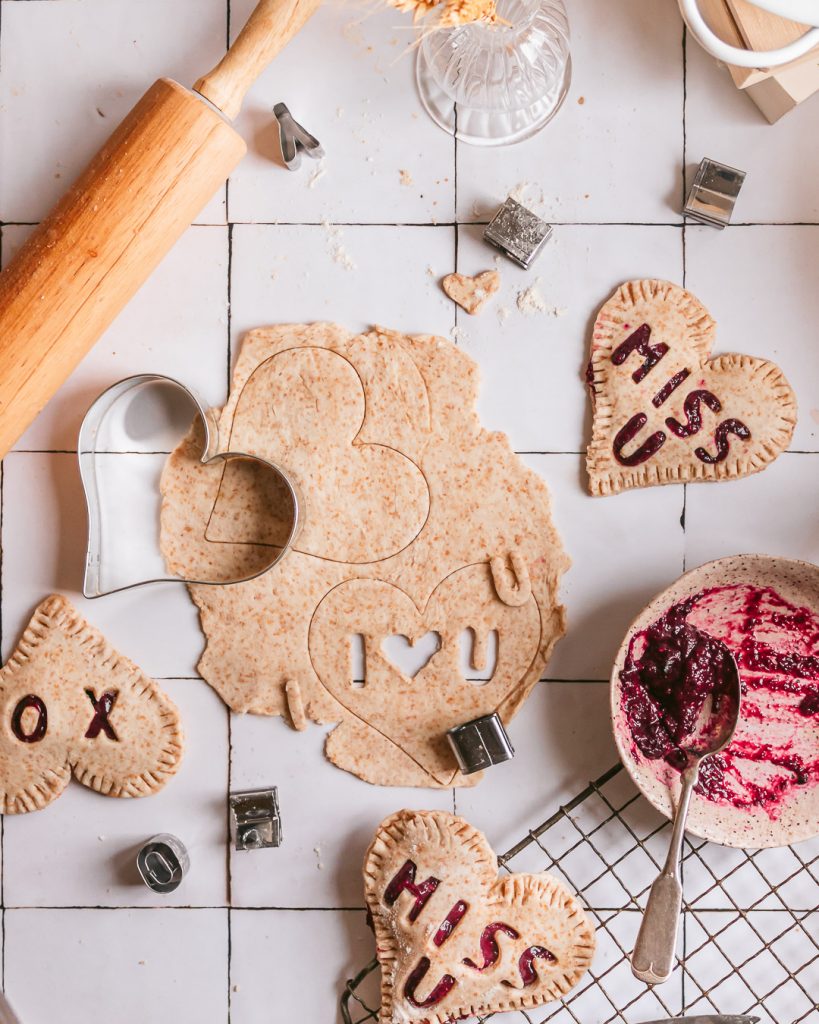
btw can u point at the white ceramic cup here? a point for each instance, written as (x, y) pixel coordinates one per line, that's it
(804, 11)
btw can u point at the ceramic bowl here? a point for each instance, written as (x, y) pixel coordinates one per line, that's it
(796, 816)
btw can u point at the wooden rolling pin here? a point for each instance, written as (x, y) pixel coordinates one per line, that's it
(133, 202)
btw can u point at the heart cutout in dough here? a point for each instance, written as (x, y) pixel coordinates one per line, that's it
(125, 507)
(70, 704)
(415, 713)
(304, 408)
(453, 940)
(410, 654)
(665, 411)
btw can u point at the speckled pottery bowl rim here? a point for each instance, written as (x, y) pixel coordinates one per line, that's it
(798, 819)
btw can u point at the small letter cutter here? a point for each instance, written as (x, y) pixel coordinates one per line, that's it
(518, 233)
(162, 863)
(255, 822)
(295, 139)
(713, 193)
(480, 743)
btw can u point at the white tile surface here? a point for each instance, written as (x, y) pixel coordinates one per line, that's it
(363, 107)
(624, 548)
(176, 325)
(610, 155)
(298, 274)
(779, 160)
(521, 354)
(44, 536)
(772, 513)
(773, 315)
(94, 861)
(100, 58)
(559, 717)
(123, 965)
(316, 951)
(328, 818)
(608, 173)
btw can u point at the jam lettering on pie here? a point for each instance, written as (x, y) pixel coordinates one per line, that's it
(489, 945)
(38, 731)
(639, 342)
(693, 413)
(404, 880)
(669, 388)
(450, 922)
(721, 440)
(652, 444)
(670, 670)
(102, 709)
(439, 992)
(526, 964)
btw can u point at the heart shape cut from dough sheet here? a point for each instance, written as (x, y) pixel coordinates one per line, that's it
(410, 654)
(70, 704)
(304, 408)
(415, 713)
(667, 412)
(454, 940)
(122, 554)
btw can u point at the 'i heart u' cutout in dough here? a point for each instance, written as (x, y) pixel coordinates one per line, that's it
(305, 409)
(415, 712)
(68, 703)
(453, 940)
(664, 412)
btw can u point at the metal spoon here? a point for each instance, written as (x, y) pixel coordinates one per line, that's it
(653, 958)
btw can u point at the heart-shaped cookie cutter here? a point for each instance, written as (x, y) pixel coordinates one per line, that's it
(88, 452)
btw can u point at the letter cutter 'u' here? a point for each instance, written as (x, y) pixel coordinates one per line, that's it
(146, 566)
(295, 139)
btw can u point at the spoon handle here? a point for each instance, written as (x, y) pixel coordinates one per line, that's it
(653, 958)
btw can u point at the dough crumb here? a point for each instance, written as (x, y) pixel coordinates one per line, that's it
(530, 300)
(472, 293)
(405, 177)
(336, 248)
(317, 175)
(503, 314)
(319, 861)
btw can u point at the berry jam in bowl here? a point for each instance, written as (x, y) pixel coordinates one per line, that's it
(763, 789)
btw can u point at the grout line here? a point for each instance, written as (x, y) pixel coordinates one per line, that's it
(683, 222)
(257, 909)
(229, 303)
(683, 240)
(73, 451)
(228, 878)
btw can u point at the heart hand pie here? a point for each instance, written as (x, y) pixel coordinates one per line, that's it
(68, 703)
(453, 939)
(664, 410)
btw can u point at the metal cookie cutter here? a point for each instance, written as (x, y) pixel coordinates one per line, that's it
(255, 821)
(713, 193)
(295, 139)
(480, 743)
(145, 564)
(518, 233)
(162, 863)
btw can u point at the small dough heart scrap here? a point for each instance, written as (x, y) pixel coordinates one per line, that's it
(69, 703)
(665, 410)
(420, 528)
(454, 940)
(472, 293)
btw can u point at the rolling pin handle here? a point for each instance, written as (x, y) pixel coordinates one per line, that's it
(270, 27)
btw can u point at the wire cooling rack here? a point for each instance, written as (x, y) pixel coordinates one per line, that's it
(749, 938)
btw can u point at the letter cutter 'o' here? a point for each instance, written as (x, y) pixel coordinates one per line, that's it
(90, 452)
